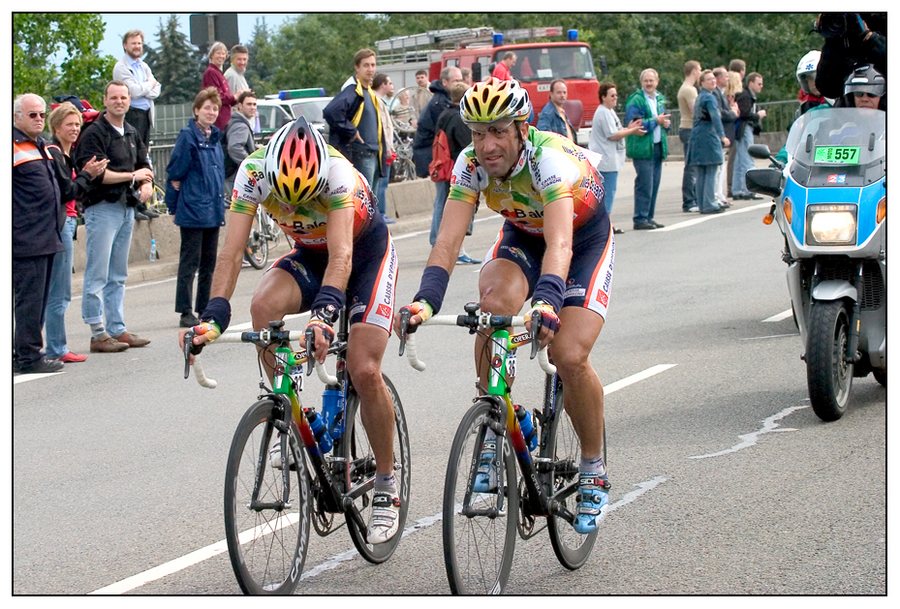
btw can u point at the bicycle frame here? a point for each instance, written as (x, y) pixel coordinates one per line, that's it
(287, 384)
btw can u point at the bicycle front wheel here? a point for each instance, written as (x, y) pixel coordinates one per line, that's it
(361, 462)
(564, 448)
(266, 527)
(257, 252)
(479, 529)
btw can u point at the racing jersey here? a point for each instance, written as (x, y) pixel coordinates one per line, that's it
(550, 168)
(305, 223)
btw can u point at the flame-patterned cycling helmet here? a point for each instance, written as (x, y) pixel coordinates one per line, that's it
(493, 100)
(296, 163)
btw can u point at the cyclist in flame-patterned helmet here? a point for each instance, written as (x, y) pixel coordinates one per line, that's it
(296, 163)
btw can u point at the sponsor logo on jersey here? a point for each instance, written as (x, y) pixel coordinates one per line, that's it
(383, 311)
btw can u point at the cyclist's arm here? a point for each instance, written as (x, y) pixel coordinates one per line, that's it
(339, 233)
(558, 217)
(228, 262)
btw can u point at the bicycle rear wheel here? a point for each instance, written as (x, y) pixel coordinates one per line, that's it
(479, 529)
(571, 548)
(358, 452)
(267, 539)
(257, 252)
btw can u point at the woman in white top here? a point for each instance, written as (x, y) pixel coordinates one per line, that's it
(607, 139)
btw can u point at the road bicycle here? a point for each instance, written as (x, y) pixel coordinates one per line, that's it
(269, 506)
(264, 235)
(479, 529)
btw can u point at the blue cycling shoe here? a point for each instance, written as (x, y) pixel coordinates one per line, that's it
(486, 476)
(593, 502)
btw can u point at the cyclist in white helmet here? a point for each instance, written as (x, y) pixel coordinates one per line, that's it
(343, 251)
(556, 248)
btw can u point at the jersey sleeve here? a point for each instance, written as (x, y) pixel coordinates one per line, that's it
(250, 187)
(464, 181)
(343, 185)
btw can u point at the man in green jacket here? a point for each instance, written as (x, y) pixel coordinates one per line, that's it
(647, 149)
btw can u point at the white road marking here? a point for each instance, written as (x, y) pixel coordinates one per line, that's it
(24, 378)
(770, 425)
(770, 336)
(701, 219)
(779, 316)
(197, 556)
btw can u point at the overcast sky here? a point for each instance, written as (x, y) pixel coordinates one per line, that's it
(119, 23)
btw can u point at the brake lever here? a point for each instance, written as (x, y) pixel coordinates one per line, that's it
(310, 337)
(186, 351)
(405, 315)
(535, 331)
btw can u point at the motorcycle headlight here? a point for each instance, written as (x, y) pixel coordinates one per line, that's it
(831, 225)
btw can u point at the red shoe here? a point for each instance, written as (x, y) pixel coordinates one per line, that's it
(72, 358)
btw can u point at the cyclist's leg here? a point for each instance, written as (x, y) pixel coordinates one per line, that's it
(372, 289)
(365, 350)
(276, 295)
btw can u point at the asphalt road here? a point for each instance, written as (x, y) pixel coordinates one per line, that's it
(724, 481)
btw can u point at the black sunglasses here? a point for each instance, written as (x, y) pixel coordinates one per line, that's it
(864, 94)
(33, 115)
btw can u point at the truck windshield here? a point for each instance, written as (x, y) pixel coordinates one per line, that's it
(548, 63)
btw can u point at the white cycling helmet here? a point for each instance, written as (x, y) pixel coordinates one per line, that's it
(807, 67)
(297, 162)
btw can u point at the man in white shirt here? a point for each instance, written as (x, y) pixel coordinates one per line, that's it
(142, 86)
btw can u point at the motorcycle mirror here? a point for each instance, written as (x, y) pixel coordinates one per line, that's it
(759, 151)
(764, 181)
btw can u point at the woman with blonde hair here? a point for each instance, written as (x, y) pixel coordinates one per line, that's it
(215, 77)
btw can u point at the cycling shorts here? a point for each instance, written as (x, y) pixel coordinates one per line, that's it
(589, 283)
(372, 287)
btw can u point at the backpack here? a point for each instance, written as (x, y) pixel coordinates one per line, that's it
(441, 166)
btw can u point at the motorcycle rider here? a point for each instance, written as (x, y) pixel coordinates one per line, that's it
(865, 87)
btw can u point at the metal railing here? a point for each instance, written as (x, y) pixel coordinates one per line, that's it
(779, 116)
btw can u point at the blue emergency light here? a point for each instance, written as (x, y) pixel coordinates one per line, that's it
(571, 35)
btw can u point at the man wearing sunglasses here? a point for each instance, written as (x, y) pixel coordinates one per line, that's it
(865, 87)
(38, 217)
(556, 248)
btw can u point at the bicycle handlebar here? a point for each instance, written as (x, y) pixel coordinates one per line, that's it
(482, 320)
(266, 336)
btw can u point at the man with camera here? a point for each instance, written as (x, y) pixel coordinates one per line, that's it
(109, 218)
(851, 39)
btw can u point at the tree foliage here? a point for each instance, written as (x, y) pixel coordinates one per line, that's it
(72, 38)
(175, 63)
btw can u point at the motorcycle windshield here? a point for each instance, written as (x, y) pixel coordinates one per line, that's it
(838, 137)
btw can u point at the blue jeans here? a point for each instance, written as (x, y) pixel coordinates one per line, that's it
(743, 162)
(366, 162)
(381, 186)
(60, 294)
(706, 187)
(108, 230)
(646, 185)
(610, 181)
(442, 189)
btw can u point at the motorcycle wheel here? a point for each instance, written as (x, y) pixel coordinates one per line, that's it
(828, 375)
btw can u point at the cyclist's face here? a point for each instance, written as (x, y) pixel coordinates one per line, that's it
(497, 147)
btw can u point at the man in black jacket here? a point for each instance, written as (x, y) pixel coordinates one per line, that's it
(425, 131)
(109, 219)
(238, 140)
(38, 216)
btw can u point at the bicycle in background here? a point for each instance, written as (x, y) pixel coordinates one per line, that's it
(270, 500)
(264, 235)
(479, 528)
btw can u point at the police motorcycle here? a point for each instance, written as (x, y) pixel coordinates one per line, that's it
(831, 207)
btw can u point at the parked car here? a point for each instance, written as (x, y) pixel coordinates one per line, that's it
(281, 108)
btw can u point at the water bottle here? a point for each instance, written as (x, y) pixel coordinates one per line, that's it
(527, 426)
(332, 399)
(153, 253)
(317, 424)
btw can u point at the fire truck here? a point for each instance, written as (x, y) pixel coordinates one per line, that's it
(539, 61)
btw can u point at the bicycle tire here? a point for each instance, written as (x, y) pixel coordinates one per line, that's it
(572, 549)
(471, 542)
(267, 548)
(358, 451)
(257, 252)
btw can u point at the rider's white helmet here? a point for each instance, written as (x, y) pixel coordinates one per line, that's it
(807, 67)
